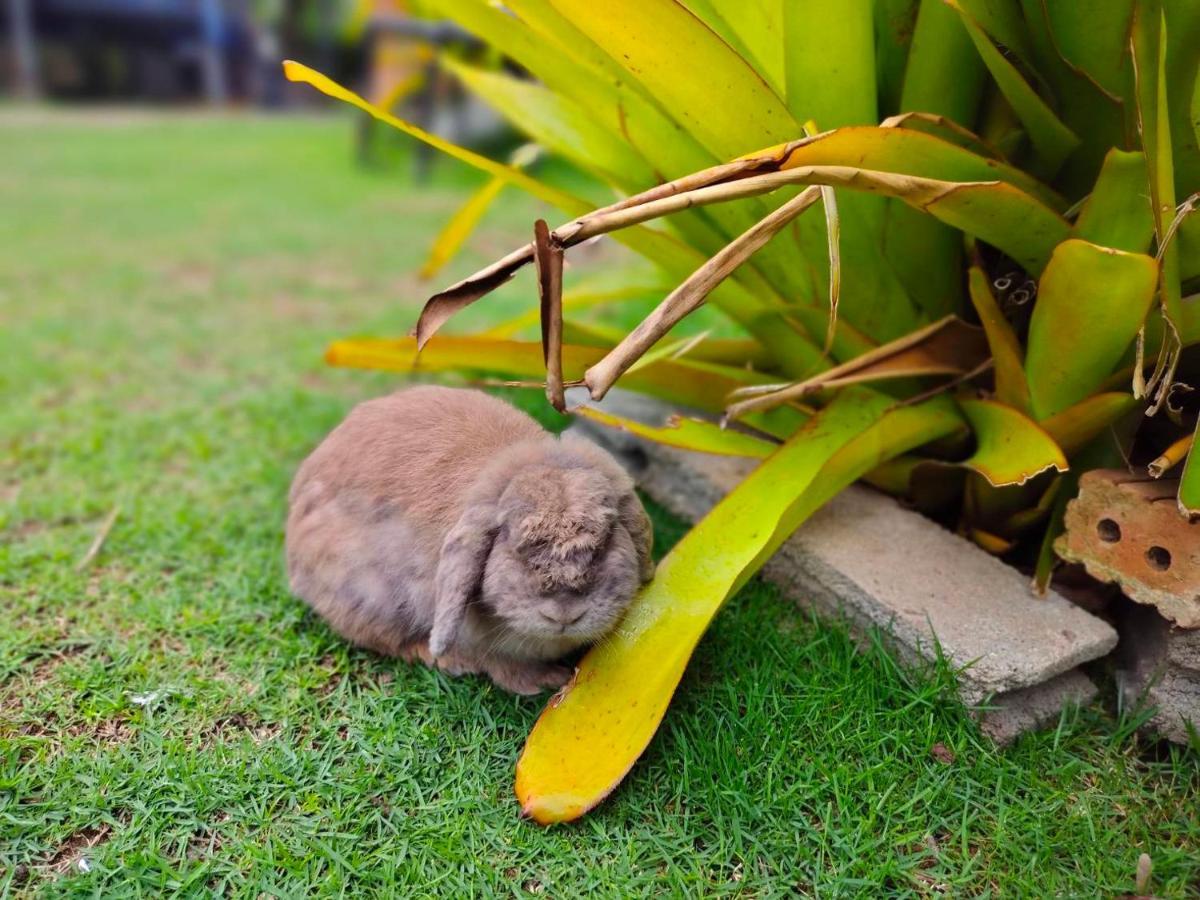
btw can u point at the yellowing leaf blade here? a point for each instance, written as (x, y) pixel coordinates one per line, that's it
(608, 714)
(687, 434)
(1010, 447)
(1091, 302)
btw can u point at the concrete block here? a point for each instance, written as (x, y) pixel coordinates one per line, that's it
(865, 558)
(1160, 666)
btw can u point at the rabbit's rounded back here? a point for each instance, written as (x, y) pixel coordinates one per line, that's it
(370, 508)
(444, 520)
(417, 451)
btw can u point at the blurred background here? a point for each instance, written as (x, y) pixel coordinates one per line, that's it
(208, 51)
(226, 53)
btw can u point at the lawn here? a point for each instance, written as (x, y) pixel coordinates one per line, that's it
(171, 720)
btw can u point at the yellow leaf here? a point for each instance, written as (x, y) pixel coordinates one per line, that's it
(1010, 447)
(687, 434)
(299, 72)
(1007, 359)
(686, 382)
(593, 731)
(460, 226)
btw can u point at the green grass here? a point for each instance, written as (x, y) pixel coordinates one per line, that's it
(168, 286)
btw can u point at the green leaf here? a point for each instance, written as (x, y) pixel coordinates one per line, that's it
(829, 58)
(1094, 38)
(1182, 73)
(1091, 302)
(753, 28)
(1189, 483)
(944, 76)
(895, 24)
(718, 97)
(1010, 447)
(606, 716)
(558, 124)
(1096, 115)
(1002, 22)
(1118, 213)
(1154, 124)
(1052, 141)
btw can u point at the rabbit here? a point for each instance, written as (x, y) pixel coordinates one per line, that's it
(442, 525)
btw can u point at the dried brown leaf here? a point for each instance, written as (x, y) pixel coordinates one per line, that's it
(691, 293)
(548, 255)
(947, 347)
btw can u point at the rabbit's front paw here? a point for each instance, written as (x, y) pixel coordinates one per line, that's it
(528, 677)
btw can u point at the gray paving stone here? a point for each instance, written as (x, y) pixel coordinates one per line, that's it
(865, 558)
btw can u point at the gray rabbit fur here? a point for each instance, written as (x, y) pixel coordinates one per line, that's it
(442, 525)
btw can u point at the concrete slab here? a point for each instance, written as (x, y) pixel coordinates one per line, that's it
(865, 558)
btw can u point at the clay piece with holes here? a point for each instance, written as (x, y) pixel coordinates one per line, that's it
(1128, 530)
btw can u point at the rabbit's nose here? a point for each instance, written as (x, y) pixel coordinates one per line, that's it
(562, 616)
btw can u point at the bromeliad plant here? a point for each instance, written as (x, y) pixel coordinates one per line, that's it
(993, 301)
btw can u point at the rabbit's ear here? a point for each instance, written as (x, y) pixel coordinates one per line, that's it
(460, 572)
(632, 515)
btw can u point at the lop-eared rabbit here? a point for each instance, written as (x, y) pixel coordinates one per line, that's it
(442, 525)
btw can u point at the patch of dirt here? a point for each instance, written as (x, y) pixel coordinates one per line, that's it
(228, 728)
(208, 841)
(48, 727)
(195, 278)
(29, 528)
(9, 491)
(42, 664)
(942, 754)
(73, 853)
(107, 731)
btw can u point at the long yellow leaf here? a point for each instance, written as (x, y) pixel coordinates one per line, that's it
(460, 226)
(591, 734)
(572, 205)
(687, 434)
(686, 382)
(1007, 358)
